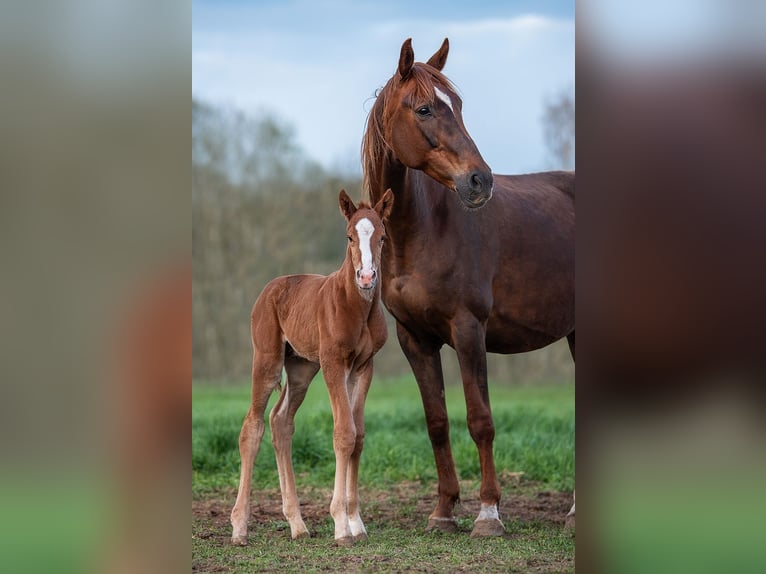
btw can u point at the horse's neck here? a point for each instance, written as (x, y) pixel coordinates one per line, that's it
(412, 202)
(416, 199)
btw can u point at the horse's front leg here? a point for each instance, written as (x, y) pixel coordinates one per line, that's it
(469, 340)
(358, 385)
(344, 441)
(427, 367)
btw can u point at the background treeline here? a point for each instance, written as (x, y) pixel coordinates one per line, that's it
(261, 208)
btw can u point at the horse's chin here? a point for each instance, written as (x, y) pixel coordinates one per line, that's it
(472, 205)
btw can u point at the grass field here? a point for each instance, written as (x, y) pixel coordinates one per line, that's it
(534, 436)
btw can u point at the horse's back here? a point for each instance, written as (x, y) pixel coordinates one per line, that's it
(539, 182)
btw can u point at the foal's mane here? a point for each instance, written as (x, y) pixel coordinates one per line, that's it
(374, 144)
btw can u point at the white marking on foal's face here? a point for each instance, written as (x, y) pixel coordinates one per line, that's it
(365, 229)
(444, 97)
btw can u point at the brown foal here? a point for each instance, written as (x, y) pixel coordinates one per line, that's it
(304, 323)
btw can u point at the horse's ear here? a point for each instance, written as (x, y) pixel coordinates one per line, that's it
(406, 59)
(347, 207)
(383, 208)
(440, 57)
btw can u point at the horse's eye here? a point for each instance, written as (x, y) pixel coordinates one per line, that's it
(350, 239)
(423, 111)
(382, 239)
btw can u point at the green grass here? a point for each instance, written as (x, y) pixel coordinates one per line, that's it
(534, 435)
(531, 548)
(534, 430)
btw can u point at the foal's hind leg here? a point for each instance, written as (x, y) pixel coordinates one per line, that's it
(282, 421)
(267, 372)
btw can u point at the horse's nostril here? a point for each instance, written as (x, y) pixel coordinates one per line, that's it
(475, 182)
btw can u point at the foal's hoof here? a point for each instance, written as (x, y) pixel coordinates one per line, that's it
(302, 534)
(345, 542)
(486, 528)
(361, 537)
(448, 525)
(569, 523)
(239, 540)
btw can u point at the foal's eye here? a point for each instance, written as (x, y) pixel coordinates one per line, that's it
(423, 111)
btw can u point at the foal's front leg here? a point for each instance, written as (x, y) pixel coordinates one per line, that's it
(358, 385)
(344, 441)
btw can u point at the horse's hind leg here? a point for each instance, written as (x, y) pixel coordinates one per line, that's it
(570, 519)
(282, 421)
(571, 341)
(267, 372)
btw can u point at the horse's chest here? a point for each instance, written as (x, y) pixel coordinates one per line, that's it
(412, 302)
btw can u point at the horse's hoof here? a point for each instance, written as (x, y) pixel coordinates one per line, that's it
(486, 528)
(302, 534)
(448, 525)
(361, 537)
(345, 542)
(569, 522)
(239, 540)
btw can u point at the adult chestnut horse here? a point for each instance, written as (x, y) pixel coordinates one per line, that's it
(302, 323)
(498, 279)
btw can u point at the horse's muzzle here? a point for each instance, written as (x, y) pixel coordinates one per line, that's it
(366, 279)
(474, 189)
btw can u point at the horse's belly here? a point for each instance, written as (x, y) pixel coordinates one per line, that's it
(512, 338)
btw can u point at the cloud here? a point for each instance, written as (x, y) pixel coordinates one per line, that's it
(321, 80)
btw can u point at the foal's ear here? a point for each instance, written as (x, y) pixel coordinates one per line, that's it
(347, 207)
(440, 57)
(406, 59)
(383, 208)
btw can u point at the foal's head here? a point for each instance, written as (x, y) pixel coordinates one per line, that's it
(366, 234)
(418, 116)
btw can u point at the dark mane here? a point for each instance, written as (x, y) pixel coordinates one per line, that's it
(374, 144)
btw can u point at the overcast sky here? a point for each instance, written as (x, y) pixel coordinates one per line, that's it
(316, 65)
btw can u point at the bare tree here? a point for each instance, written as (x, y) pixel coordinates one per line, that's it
(559, 130)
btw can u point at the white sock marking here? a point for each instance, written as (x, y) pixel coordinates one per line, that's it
(488, 512)
(356, 525)
(365, 230)
(444, 97)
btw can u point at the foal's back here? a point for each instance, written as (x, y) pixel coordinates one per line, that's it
(290, 310)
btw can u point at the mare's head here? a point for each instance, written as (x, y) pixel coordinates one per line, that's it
(418, 117)
(366, 233)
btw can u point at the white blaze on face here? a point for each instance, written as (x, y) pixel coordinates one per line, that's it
(444, 97)
(365, 229)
